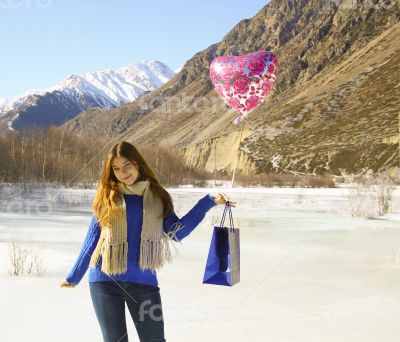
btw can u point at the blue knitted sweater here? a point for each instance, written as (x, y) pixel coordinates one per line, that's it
(134, 215)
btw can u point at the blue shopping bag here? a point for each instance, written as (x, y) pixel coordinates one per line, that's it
(223, 262)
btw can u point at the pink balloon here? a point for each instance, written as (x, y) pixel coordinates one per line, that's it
(243, 82)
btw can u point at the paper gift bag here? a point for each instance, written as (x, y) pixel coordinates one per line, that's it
(223, 262)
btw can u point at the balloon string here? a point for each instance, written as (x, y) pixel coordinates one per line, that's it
(237, 158)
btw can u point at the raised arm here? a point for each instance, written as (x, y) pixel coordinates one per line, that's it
(179, 228)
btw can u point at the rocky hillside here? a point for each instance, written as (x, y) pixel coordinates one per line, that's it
(334, 108)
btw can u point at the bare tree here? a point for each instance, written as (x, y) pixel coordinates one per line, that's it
(18, 255)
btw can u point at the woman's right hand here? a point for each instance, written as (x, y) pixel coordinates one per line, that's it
(66, 284)
(222, 198)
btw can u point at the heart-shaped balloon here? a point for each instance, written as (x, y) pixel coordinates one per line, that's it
(243, 82)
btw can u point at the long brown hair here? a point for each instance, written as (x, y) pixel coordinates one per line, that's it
(107, 195)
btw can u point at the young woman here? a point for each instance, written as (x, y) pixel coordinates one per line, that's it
(128, 240)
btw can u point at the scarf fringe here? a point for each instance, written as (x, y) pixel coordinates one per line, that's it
(114, 258)
(154, 254)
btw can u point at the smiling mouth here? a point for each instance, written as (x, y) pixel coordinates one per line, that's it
(125, 178)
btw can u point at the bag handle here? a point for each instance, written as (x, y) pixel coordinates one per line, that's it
(227, 208)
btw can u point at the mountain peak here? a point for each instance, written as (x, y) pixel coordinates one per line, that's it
(108, 88)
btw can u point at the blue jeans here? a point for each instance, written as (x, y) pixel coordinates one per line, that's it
(144, 304)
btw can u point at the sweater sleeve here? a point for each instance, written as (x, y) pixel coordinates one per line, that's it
(88, 247)
(179, 228)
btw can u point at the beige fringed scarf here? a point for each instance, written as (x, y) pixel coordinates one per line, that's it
(154, 247)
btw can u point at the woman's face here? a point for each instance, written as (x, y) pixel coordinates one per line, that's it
(126, 172)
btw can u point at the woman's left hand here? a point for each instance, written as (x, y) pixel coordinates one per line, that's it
(222, 198)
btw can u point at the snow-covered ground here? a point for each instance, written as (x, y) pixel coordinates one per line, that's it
(309, 271)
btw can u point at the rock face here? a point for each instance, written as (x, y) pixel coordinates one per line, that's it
(347, 120)
(334, 108)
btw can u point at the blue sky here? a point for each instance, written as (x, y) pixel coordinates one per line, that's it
(44, 41)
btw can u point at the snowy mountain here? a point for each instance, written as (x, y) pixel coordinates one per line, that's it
(176, 71)
(103, 89)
